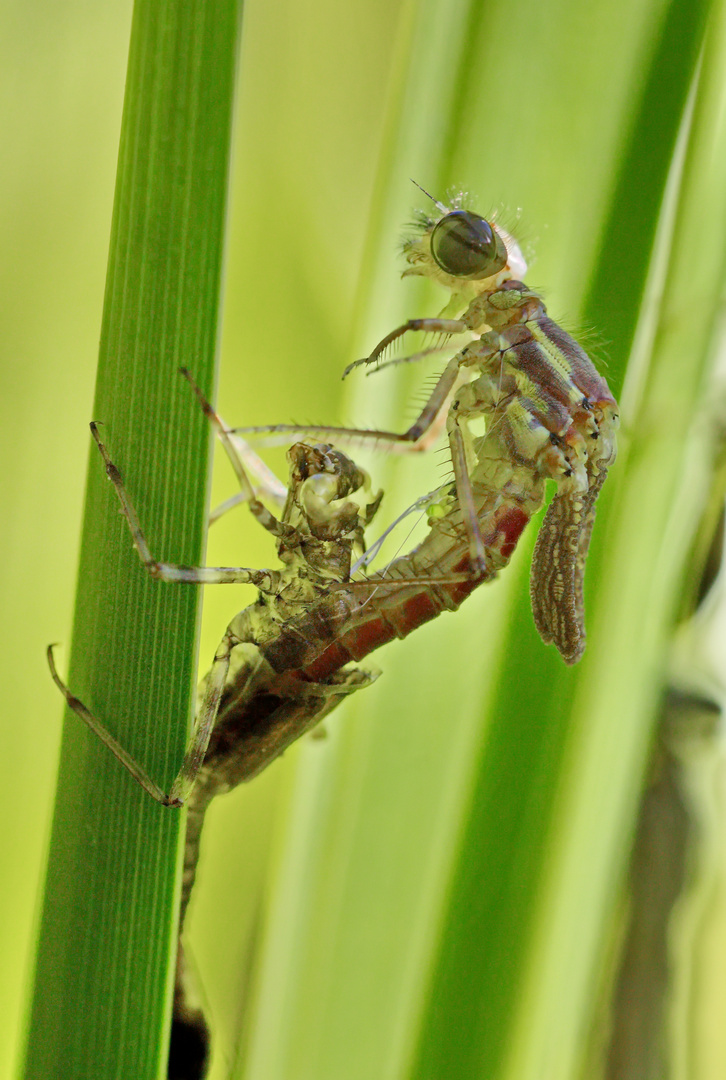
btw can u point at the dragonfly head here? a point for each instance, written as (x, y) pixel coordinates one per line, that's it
(463, 251)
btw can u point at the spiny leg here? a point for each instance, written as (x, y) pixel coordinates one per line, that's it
(267, 580)
(410, 358)
(467, 403)
(414, 437)
(439, 326)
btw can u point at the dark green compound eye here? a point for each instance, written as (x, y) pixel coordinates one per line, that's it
(465, 245)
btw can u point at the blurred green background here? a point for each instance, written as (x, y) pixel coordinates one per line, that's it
(343, 870)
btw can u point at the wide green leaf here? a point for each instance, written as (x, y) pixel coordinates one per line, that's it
(106, 951)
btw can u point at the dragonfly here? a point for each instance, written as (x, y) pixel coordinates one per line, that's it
(287, 661)
(541, 398)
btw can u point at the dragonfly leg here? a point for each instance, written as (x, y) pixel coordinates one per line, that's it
(204, 722)
(434, 326)
(198, 740)
(465, 497)
(129, 763)
(242, 458)
(226, 506)
(267, 580)
(416, 438)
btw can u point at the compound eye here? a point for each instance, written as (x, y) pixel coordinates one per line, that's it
(465, 245)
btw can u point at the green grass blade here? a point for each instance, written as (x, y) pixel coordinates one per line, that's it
(103, 968)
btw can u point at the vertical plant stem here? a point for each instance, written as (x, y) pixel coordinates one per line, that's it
(107, 933)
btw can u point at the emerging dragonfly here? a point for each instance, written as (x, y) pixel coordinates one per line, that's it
(285, 662)
(540, 395)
